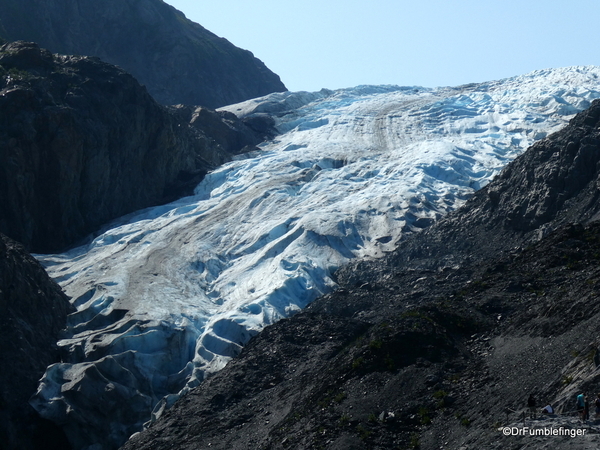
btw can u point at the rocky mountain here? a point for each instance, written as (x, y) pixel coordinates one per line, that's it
(82, 142)
(33, 310)
(440, 344)
(176, 59)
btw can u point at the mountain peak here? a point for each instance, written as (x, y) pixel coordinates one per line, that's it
(176, 59)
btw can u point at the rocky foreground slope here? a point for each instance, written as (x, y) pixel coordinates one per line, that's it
(432, 347)
(33, 310)
(82, 142)
(176, 59)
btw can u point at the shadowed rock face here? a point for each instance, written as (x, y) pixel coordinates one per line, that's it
(177, 60)
(81, 143)
(436, 343)
(33, 310)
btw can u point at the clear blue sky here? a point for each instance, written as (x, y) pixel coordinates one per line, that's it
(313, 44)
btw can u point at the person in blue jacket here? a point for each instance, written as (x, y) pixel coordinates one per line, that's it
(581, 405)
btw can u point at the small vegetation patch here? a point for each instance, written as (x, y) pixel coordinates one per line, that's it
(358, 362)
(441, 398)
(344, 420)
(424, 416)
(363, 433)
(340, 397)
(375, 344)
(13, 74)
(414, 442)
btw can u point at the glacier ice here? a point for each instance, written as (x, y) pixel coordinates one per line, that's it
(167, 295)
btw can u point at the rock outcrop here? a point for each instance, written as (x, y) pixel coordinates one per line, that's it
(33, 311)
(440, 345)
(176, 59)
(82, 142)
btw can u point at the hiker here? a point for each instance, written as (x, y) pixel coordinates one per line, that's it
(597, 405)
(580, 405)
(548, 409)
(531, 404)
(586, 408)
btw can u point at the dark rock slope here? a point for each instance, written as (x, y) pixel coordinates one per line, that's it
(441, 344)
(82, 142)
(33, 310)
(177, 60)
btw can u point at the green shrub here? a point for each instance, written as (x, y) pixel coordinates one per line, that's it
(358, 362)
(340, 397)
(424, 416)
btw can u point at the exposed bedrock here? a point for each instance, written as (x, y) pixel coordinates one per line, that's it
(82, 142)
(176, 59)
(33, 310)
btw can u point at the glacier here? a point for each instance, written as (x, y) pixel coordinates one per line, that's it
(168, 295)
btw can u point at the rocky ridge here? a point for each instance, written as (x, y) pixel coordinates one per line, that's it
(439, 345)
(82, 142)
(176, 59)
(27, 345)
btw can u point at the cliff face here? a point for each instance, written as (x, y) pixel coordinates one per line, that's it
(33, 310)
(442, 342)
(177, 60)
(81, 143)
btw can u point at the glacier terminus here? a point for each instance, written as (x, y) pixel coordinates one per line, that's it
(168, 295)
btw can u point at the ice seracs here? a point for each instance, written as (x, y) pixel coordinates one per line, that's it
(168, 295)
